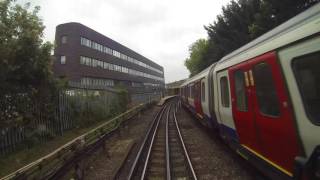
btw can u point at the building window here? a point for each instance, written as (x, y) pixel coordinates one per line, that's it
(63, 60)
(96, 82)
(104, 65)
(88, 61)
(82, 60)
(85, 42)
(124, 70)
(100, 64)
(64, 39)
(104, 49)
(136, 84)
(116, 53)
(111, 67)
(94, 63)
(107, 50)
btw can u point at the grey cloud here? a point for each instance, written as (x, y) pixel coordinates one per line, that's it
(161, 30)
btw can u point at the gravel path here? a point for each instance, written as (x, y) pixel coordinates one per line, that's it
(104, 162)
(211, 158)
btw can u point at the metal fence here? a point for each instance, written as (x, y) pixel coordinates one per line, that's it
(145, 97)
(24, 123)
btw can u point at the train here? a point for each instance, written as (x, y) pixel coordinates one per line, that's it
(263, 99)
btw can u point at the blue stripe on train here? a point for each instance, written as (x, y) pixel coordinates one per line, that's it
(231, 133)
(228, 131)
(210, 121)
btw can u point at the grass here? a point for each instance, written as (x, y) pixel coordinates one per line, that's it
(14, 161)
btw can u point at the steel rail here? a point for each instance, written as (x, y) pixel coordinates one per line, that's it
(156, 121)
(150, 147)
(135, 163)
(167, 145)
(184, 148)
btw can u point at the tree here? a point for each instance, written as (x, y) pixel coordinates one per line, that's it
(230, 30)
(197, 51)
(242, 21)
(25, 64)
(26, 78)
(272, 13)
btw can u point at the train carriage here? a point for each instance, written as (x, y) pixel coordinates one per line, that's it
(198, 96)
(265, 97)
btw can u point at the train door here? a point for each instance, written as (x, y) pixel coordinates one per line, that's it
(197, 98)
(204, 96)
(301, 64)
(273, 113)
(268, 102)
(242, 108)
(190, 94)
(227, 126)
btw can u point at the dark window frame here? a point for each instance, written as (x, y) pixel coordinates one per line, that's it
(274, 85)
(64, 61)
(224, 102)
(203, 92)
(246, 109)
(295, 74)
(64, 39)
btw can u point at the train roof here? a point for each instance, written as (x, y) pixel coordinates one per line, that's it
(198, 76)
(301, 26)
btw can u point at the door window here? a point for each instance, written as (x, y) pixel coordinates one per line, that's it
(224, 89)
(241, 96)
(203, 96)
(265, 90)
(307, 73)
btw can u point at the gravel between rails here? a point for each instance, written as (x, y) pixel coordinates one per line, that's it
(102, 164)
(211, 157)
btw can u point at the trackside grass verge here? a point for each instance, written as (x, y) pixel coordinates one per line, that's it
(43, 160)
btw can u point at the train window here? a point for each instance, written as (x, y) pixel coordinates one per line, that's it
(192, 91)
(240, 88)
(203, 95)
(307, 74)
(265, 90)
(224, 88)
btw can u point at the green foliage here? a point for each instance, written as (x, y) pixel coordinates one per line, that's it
(197, 51)
(123, 98)
(90, 106)
(25, 64)
(26, 76)
(240, 22)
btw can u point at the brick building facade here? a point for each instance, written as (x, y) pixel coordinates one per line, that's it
(90, 59)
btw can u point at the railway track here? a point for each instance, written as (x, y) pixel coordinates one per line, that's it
(163, 154)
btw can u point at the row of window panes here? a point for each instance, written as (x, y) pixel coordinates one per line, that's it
(96, 82)
(104, 49)
(151, 84)
(138, 84)
(112, 67)
(135, 84)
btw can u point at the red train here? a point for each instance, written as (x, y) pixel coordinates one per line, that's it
(264, 99)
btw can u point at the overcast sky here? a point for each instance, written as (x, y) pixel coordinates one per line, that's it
(161, 30)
